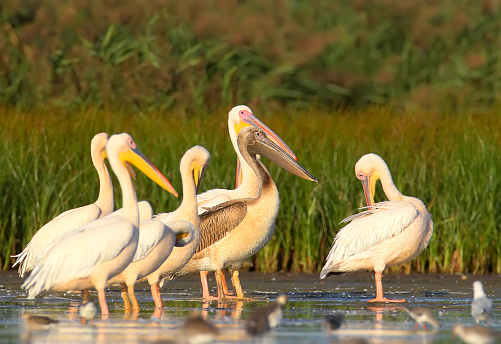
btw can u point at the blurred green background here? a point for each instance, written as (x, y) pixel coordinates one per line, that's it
(417, 82)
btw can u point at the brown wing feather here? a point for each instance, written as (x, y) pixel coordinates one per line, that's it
(217, 222)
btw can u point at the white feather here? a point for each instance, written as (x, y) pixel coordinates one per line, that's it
(63, 223)
(150, 233)
(77, 253)
(370, 227)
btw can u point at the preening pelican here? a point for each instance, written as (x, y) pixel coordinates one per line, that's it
(237, 229)
(156, 241)
(90, 255)
(192, 167)
(387, 234)
(247, 184)
(74, 218)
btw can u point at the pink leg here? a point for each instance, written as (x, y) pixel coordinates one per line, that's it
(155, 293)
(125, 298)
(102, 303)
(205, 287)
(132, 297)
(379, 290)
(236, 284)
(225, 285)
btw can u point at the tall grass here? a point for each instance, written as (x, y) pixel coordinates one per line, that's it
(171, 54)
(451, 161)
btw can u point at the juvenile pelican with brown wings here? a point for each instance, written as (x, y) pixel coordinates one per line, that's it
(235, 230)
(247, 183)
(386, 234)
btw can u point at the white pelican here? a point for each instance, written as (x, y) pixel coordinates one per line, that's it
(247, 184)
(192, 167)
(156, 241)
(387, 234)
(90, 255)
(73, 218)
(237, 229)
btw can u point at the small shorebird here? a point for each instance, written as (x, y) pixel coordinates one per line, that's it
(334, 321)
(481, 307)
(198, 330)
(476, 334)
(265, 318)
(87, 311)
(422, 315)
(37, 322)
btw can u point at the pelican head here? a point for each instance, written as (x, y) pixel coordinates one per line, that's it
(98, 144)
(367, 169)
(257, 143)
(128, 152)
(241, 116)
(199, 158)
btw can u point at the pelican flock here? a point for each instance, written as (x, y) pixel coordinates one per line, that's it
(93, 246)
(237, 229)
(386, 234)
(89, 256)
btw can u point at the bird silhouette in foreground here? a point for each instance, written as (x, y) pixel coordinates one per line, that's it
(481, 307)
(87, 311)
(266, 317)
(475, 334)
(38, 322)
(197, 330)
(422, 315)
(334, 321)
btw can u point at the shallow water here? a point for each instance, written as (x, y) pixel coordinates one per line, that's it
(310, 300)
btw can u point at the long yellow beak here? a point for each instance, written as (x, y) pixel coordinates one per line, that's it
(135, 157)
(129, 167)
(198, 173)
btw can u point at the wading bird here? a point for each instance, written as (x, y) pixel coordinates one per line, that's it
(422, 315)
(476, 334)
(192, 167)
(74, 218)
(90, 255)
(481, 307)
(386, 234)
(265, 318)
(235, 230)
(247, 183)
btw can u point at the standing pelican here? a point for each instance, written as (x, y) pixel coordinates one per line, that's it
(387, 234)
(247, 183)
(192, 167)
(237, 229)
(74, 218)
(90, 255)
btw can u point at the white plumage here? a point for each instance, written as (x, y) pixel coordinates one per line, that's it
(90, 255)
(386, 234)
(73, 218)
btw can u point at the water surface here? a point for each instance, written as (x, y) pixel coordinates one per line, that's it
(310, 301)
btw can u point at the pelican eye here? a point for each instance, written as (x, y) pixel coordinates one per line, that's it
(360, 175)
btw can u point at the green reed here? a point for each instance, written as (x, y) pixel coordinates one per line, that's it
(167, 54)
(450, 161)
